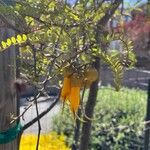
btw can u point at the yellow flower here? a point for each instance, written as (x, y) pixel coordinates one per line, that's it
(50, 141)
(74, 98)
(65, 92)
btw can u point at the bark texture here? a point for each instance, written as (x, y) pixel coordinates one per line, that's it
(89, 109)
(8, 104)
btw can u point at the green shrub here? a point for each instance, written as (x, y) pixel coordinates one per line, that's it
(117, 123)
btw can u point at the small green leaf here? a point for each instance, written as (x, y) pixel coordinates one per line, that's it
(24, 37)
(19, 39)
(13, 40)
(4, 45)
(9, 42)
(94, 49)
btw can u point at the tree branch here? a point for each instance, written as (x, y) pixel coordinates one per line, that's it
(103, 21)
(40, 115)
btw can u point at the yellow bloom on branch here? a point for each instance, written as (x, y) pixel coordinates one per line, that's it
(65, 92)
(73, 83)
(74, 98)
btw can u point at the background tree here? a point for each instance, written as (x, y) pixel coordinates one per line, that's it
(137, 27)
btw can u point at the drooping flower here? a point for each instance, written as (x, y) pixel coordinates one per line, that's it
(65, 91)
(74, 98)
(73, 83)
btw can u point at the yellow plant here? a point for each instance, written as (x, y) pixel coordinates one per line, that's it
(74, 98)
(19, 39)
(73, 83)
(65, 92)
(51, 141)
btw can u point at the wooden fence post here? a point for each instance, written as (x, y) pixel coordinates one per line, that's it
(8, 104)
(147, 126)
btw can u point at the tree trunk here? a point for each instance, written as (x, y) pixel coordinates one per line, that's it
(89, 109)
(8, 104)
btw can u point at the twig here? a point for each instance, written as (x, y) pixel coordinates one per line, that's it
(35, 99)
(108, 14)
(40, 115)
(25, 110)
(78, 123)
(26, 126)
(39, 124)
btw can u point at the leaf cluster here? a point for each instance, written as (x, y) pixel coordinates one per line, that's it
(60, 34)
(19, 39)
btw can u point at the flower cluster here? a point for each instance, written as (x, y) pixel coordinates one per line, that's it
(50, 141)
(72, 84)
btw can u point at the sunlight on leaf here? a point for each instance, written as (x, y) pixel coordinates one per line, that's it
(4, 45)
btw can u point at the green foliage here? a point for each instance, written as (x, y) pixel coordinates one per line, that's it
(19, 39)
(60, 35)
(118, 60)
(117, 123)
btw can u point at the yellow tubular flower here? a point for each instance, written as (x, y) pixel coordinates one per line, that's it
(65, 92)
(74, 98)
(91, 74)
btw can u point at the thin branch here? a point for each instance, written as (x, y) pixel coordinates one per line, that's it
(25, 110)
(39, 124)
(99, 4)
(108, 14)
(40, 115)
(36, 105)
(78, 123)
